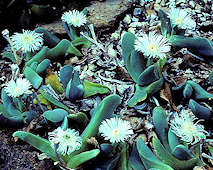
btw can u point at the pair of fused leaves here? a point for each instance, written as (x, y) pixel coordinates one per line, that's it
(167, 147)
(104, 110)
(75, 89)
(149, 80)
(12, 114)
(32, 72)
(170, 153)
(201, 47)
(200, 111)
(193, 90)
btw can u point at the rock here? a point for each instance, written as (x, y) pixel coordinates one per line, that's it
(55, 27)
(105, 14)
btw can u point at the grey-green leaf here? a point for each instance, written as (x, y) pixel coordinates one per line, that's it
(56, 115)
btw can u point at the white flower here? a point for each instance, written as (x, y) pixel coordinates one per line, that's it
(68, 140)
(74, 18)
(181, 18)
(18, 88)
(184, 127)
(115, 130)
(152, 45)
(5, 33)
(28, 41)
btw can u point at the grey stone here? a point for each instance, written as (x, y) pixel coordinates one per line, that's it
(105, 14)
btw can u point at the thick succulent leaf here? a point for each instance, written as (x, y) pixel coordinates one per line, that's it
(187, 91)
(80, 118)
(173, 139)
(135, 65)
(135, 162)
(33, 77)
(201, 47)
(139, 96)
(161, 126)
(39, 143)
(81, 41)
(199, 93)
(73, 50)
(39, 57)
(34, 65)
(103, 111)
(134, 61)
(180, 87)
(81, 158)
(66, 73)
(181, 152)
(91, 89)
(200, 111)
(170, 160)
(49, 39)
(56, 115)
(9, 55)
(9, 106)
(148, 158)
(54, 101)
(155, 86)
(142, 93)
(127, 45)
(10, 120)
(74, 89)
(43, 66)
(3, 111)
(148, 76)
(60, 50)
(165, 23)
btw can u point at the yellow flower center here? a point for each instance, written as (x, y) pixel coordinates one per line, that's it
(152, 47)
(66, 137)
(115, 132)
(74, 20)
(178, 21)
(189, 127)
(17, 89)
(27, 39)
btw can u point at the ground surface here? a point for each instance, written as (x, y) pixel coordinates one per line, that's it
(108, 69)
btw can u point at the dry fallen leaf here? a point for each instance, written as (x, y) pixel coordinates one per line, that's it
(166, 95)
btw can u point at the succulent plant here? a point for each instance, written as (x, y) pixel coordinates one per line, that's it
(201, 47)
(75, 88)
(192, 89)
(104, 110)
(149, 78)
(13, 113)
(168, 147)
